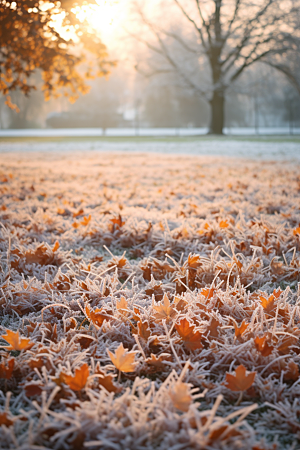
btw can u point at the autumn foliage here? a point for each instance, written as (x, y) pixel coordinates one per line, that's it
(30, 42)
(125, 327)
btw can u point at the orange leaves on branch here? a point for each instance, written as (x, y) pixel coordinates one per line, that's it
(123, 360)
(16, 342)
(190, 337)
(241, 380)
(78, 381)
(181, 396)
(6, 368)
(164, 310)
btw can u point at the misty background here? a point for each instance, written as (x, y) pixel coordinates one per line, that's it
(138, 95)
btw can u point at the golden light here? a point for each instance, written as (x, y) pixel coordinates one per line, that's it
(105, 18)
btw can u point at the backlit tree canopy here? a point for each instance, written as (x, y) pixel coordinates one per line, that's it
(41, 35)
(225, 36)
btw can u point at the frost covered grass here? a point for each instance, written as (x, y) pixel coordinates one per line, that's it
(149, 302)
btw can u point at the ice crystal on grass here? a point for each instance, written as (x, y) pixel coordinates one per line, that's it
(149, 303)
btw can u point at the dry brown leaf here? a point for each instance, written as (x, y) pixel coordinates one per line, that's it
(33, 388)
(143, 330)
(240, 380)
(160, 361)
(6, 368)
(123, 359)
(107, 380)
(5, 419)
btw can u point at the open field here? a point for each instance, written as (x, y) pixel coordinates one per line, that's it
(156, 294)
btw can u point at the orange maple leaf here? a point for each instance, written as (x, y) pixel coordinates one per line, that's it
(160, 361)
(263, 346)
(164, 309)
(143, 330)
(96, 317)
(181, 396)
(117, 222)
(16, 342)
(241, 380)
(78, 381)
(193, 261)
(123, 359)
(208, 293)
(224, 224)
(190, 337)
(122, 306)
(240, 330)
(296, 231)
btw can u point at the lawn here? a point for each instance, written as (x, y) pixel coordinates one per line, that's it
(149, 301)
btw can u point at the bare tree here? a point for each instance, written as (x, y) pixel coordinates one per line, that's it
(231, 35)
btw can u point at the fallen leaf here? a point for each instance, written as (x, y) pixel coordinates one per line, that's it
(97, 317)
(78, 381)
(122, 306)
(164, 310)
(6, 368)
(160, 361)
(107, 380)
(263, 346)
(240, 330)
(241, 380)
(33, 388)
(291, 372)
(190, 337)
(123, 359)
(193, 261)
(16, 342)
(208, 293)
(180, 396)
(143, 330)
(5, 420)
(223, 224)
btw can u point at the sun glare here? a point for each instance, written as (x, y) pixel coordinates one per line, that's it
(105, 18)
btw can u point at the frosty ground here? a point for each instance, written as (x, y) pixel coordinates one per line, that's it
(190, 261)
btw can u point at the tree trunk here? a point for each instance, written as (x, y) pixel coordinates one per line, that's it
(217, 104)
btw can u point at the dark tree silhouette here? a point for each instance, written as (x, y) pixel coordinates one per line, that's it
(232, 35)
